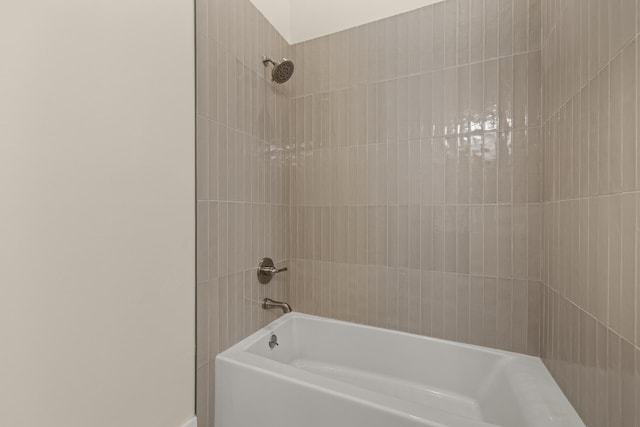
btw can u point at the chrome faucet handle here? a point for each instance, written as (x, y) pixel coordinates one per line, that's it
(266, 270)
(272, 270)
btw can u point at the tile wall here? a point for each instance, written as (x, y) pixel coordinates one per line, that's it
(467, 170)
(416, 173)
(591, 206)
(242, 180)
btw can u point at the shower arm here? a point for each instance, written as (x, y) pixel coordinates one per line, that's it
(266, 61)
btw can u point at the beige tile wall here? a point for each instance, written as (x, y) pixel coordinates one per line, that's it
(591, 206)
(434, 189)
(242, 180)
(416, 173)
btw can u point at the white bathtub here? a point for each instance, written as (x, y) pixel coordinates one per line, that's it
(327, 373)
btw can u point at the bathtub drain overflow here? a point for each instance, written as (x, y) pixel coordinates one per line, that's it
(273, 342)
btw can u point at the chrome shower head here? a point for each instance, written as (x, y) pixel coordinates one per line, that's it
(282, 71)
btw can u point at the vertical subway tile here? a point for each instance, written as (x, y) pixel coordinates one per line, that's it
(627, 262)
(426, 237)
(593, 239)
(534, 79)
(476, 240)
(476, 97)
(505, 167)
(476, 169)
(602, 274)
(202, 320)
(615, 128)
(462, 308)
(450, 239)
(414, 112)
(594, 97)
(615, 221)
(426, 38)
(505, 93)
(463, 179)
(462, 239)
(491, 8)
(614, 26)
(627, 386)
(520, 75)
(438, 160)
(490, 117)
(425, 303)
(414, 230)
(202, 242)
(505, 27)
(628, 117)
(520, 241)
(413, 42)
(463, 23)
(451, 170)
(438, 238)
(627, 21)
(449, 306)
(203, 407)
(520, 166)
(534, 304)
(392, 48)
(490, 315)
(438, 35)
(476, 310)
(451, 32)
(519, 327)
(505, 252)
(437, 304)
(604, 153)
(534, 240)
(490, 168)
(490, 215)
(603, 32)
(614, 380)
(476, 31)
(520, 26)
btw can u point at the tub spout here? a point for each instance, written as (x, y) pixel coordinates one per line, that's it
(268, 304)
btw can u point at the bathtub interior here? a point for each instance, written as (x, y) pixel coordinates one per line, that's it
(430, 375)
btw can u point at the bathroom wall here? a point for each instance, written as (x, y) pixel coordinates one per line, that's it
(242, 180)
(97, 243)
(591, 206)
(313, 18)
(416, 173)
(278, 14)
(301, 20)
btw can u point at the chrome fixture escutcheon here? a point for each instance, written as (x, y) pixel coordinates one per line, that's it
(266, 270)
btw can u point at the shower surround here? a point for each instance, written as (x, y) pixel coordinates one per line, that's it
(591, 206)
(416, 174)
(467, 170)
(242, 180)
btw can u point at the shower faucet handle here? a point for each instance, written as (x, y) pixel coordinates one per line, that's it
(266, 270)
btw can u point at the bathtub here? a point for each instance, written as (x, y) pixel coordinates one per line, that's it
(328, 373)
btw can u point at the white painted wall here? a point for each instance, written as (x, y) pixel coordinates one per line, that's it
(278, 12)
(96, 213)
(308, 19)
(316, 18)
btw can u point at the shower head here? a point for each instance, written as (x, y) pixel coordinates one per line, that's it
(282, 71)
